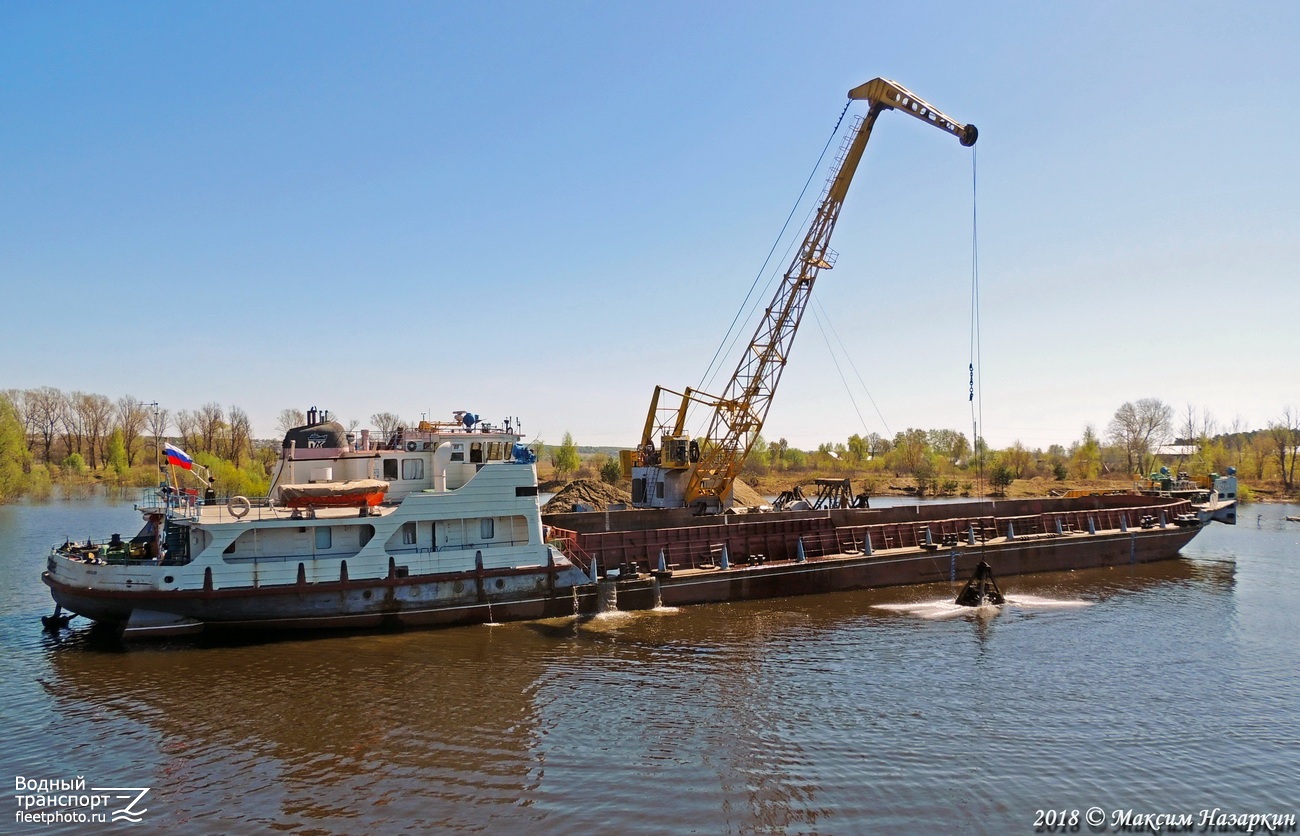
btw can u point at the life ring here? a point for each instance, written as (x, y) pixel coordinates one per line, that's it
(695, 450)
(411, 446)
(239, 506)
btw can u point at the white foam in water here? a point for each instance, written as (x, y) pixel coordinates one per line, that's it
(945, 608)
(1033, 602)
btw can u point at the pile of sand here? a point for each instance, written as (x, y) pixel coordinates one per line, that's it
(596, 496)
(743, 495)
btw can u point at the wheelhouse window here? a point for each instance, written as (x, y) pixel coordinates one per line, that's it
(412, 468)
(476, 452)
(390, 469)
(458, 452)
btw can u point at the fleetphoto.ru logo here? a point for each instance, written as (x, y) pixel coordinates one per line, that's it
(70, 801)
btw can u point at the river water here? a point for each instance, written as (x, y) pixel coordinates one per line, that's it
(1169, 688)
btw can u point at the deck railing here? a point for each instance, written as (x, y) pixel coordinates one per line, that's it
(697, 547)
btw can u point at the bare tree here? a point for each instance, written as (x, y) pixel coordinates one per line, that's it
(132, 415)
(1139, 428)
(98, 411)
(386, 423)
(157, 425)
(211, 420)
(239, 435)
(187, 427)
(72, 421)
(45, 408)
(1285, 435)
(290, 418)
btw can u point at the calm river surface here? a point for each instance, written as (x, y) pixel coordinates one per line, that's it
(1162, 689)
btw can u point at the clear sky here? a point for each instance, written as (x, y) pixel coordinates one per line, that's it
(545, 209)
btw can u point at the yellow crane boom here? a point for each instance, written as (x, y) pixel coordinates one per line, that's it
(711, 463)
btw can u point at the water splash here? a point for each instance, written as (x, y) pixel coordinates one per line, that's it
(945, 608)
(659, 608)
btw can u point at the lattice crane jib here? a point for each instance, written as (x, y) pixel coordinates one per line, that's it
(738, 414)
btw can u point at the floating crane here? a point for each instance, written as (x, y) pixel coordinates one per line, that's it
(699, 472)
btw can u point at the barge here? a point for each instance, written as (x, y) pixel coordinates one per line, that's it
(671, 558)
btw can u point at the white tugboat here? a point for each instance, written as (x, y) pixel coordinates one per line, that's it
(436, 525)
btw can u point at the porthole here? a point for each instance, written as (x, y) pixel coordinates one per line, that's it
(168, 579)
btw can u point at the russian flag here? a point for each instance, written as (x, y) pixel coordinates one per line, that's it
(178, 457)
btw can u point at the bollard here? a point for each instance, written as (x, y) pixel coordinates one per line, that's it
(1123, 523)
(1011, 531)
(663, 561)
(1059, 531)
(970, 534)
(595, 575)
(928, 540)
(724, 562)
(1092, 526)
(1163, 522)
(866, 545)
(799, 555)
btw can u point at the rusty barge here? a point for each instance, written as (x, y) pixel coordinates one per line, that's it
(670, 558)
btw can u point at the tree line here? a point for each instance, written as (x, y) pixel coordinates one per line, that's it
(48, 435)
(946, 462)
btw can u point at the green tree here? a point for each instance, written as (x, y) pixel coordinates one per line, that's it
(859, 450)
(611, 472)
(1001, 478)
(1018, 459)
(565, 458)
(13, 451)
(1085, 455)
(776, 451)
(117, 460)
(910, 448)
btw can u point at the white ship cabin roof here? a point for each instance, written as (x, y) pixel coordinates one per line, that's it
(441, 456)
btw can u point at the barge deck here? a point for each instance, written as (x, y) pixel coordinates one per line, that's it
(668, 558)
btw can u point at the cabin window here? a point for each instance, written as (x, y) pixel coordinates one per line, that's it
(458, 452)
(486, 528)
(408, 534)
(476, 452)
(659, 490)
(412, 468)
(324, 537)
(367, 532)
(390, 469)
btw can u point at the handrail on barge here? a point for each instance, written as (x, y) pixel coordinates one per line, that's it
(772, 538)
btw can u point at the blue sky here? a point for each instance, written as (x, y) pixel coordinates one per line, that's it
(544, 210)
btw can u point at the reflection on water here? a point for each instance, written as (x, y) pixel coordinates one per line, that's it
(1158, 686)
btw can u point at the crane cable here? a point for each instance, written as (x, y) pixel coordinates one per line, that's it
(976, 405)
(849, 357)
(725, 344)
